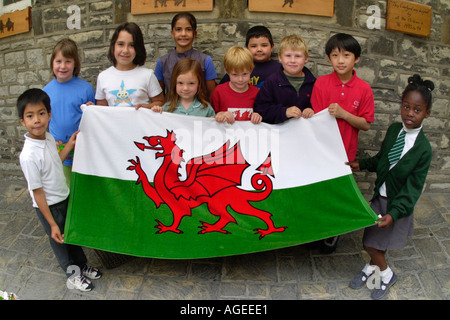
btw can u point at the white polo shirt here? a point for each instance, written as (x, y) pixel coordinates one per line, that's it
(42, 168)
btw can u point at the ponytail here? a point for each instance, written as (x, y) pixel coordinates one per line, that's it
(425, 87)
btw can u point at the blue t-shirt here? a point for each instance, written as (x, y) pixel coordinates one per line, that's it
(65, 100)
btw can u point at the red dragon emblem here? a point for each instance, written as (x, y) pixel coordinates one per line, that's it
(213, 179)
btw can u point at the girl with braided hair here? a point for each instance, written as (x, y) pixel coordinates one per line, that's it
(401, 165)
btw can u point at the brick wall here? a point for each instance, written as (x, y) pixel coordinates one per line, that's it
(388, 59)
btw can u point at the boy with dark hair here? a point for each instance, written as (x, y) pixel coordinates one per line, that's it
(347, 97)
(342, 41)
(260, 43)
(42, 167)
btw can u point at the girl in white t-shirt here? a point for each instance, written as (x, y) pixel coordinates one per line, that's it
(127, 82)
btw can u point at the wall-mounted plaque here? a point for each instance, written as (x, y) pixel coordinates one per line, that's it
(312, 7)
(160, 6)
(408, 17)
(15, 22)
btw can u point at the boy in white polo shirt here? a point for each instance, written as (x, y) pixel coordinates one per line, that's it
(42, 167)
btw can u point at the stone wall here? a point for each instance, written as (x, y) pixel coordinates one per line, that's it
(388, 59)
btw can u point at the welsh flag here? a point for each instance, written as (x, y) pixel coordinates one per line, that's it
(184, 187)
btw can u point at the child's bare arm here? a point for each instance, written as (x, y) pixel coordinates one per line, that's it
(41, 201)
(357, 122)
(102, 102)
(158, 100)
(210, 86)
(69, 146)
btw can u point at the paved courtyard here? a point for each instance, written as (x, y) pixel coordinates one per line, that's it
(29, 269)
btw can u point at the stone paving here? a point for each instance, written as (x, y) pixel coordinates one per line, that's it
(29, 269)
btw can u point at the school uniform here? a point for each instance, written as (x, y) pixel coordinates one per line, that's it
(42, 168)
(398, 186)
(195, 109)
(355, 96)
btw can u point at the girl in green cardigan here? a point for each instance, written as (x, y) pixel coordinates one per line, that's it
(398, 186)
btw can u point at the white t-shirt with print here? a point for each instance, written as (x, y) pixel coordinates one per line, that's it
(127, 88)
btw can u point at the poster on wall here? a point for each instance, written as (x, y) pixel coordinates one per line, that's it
(160, 6)
(311, 7)
(408, 17)
(15, 22)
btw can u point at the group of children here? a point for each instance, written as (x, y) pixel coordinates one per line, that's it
(255, 88)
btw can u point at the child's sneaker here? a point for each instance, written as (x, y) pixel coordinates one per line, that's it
(91, 272)
(80, 283)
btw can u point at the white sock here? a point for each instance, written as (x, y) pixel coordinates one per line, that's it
(369, 269)
(386, 275)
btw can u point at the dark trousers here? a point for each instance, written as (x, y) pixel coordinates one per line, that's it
(66, 254)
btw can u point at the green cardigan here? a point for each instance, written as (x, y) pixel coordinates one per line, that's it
(405, 182)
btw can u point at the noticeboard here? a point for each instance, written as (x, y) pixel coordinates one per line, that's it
(310, 7)
(161, 6)
(408, 17)
(15, 22)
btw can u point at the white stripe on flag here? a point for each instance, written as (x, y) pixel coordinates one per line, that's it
(303, 151)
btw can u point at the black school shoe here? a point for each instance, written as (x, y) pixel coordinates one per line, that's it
(380, 293)
(329, 245)
(359, 280)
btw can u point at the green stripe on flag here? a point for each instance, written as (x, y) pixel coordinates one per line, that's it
(115, 215)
